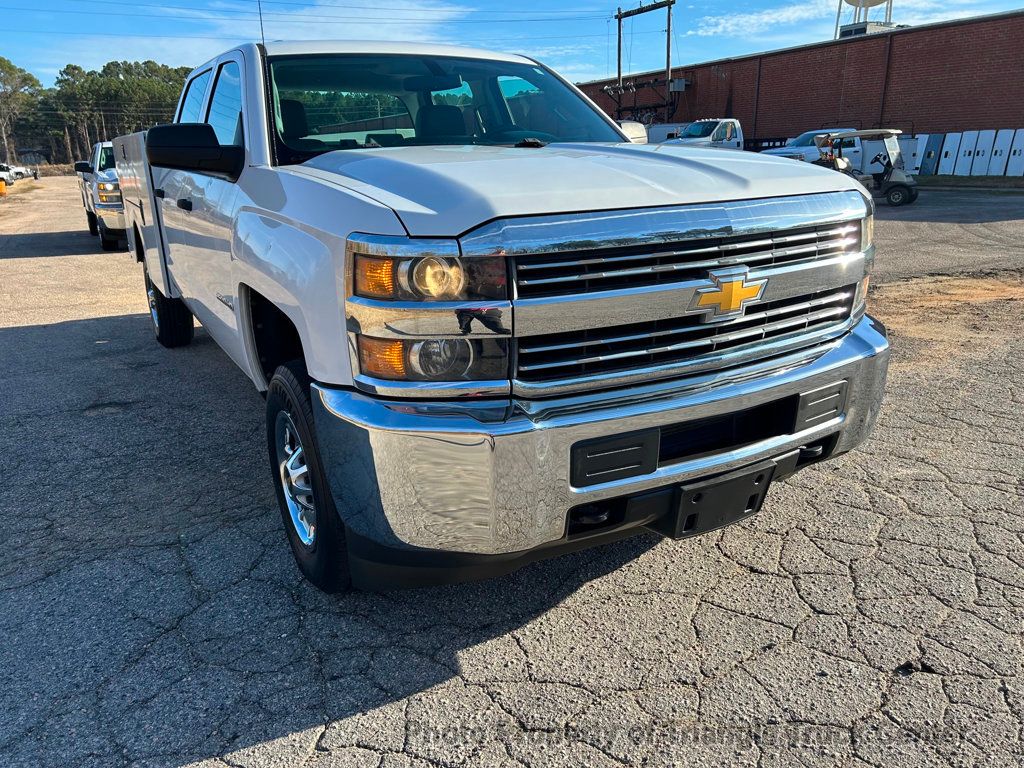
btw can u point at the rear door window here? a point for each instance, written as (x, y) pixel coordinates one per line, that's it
(192, 104)
(225, 113)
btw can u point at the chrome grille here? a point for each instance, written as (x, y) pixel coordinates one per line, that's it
(583, 272)
(683, 341)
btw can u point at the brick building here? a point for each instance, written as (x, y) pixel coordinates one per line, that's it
(951, 76)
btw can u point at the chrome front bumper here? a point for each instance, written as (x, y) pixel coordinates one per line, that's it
(493, 477)
(112, 216)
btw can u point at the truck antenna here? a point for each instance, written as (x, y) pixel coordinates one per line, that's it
(259, 7)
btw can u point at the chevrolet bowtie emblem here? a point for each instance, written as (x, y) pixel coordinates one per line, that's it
(728, 296)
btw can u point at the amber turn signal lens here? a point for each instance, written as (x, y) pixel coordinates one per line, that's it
(375, 277)
(382, 358)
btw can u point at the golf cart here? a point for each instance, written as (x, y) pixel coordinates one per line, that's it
(893, 183)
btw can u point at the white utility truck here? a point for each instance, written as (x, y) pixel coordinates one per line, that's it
(101, 195)
(718, 132)
(489, 329)
(660, 132)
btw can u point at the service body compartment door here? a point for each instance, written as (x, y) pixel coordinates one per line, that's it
(1015, 161)
(964, 160)
(911, 148)
(931, 154)
(983, 153)
(1000, 152)
(141, 205)
(950, 153)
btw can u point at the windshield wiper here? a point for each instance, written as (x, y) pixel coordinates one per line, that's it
(529, 143)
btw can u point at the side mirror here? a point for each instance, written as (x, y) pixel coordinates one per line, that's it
(635, 132)
(193, 147)
(83, 167)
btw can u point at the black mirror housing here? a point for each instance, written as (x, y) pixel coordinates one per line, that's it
(83, 167)
(193, 147)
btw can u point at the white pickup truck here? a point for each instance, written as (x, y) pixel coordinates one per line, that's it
(718, 132)
(489, 329)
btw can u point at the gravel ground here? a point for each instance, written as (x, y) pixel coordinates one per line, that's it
(150, 613)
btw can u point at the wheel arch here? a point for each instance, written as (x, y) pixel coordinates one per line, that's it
(137, 244)
(271, 336)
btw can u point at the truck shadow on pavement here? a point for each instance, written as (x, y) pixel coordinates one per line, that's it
(44, 244)
(967, 206)
(151, 613)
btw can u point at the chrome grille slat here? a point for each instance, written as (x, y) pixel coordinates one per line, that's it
(711, 341)
(603, 351)
(749, 317)
(602, 299)
(574, 274)
(818, 250)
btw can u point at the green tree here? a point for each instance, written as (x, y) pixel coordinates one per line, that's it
(86, 106)
(18, 90)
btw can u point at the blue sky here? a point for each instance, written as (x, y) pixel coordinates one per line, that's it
(578, 39)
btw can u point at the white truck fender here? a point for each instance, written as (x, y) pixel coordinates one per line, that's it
(288, 246)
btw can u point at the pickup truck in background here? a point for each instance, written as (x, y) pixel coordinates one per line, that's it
(488, 327)
(720, 133)
(659, 132)
(101, 195)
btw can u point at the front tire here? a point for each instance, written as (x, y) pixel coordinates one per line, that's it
(315, 532)
(108, 243)
(94, 227)
(172, 320)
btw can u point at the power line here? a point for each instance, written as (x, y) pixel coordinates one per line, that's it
(217, 15)
(247, 38)
(598, 12)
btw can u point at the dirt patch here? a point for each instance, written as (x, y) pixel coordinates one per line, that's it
(22, 187)
(936, 320)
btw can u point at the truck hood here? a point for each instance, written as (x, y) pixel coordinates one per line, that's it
(696, 142)
(448, 190)
(786, 151)
(108, 175)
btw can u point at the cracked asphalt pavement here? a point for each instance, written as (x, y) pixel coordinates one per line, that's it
(151, 615)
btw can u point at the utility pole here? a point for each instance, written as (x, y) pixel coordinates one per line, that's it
(668, 65)
(620, 15)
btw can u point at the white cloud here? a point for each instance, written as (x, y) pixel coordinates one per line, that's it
(782, 19)
(750, 24)
(195, 35)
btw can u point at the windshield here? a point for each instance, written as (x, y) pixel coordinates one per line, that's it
(805, 139)
(698, 130)
(106, 159)
(330, 102)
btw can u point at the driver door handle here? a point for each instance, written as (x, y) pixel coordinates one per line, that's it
(158, 193)
(185, 204)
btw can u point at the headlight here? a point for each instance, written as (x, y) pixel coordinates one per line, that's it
(867, 237)
(424, 316)
(433, 359)
(427, 270)
(867, 231)
(861, 295)
(109, 192)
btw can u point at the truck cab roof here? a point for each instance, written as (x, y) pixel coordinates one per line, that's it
(314, 47)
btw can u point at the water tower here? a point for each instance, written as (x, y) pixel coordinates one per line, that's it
(860, 25)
